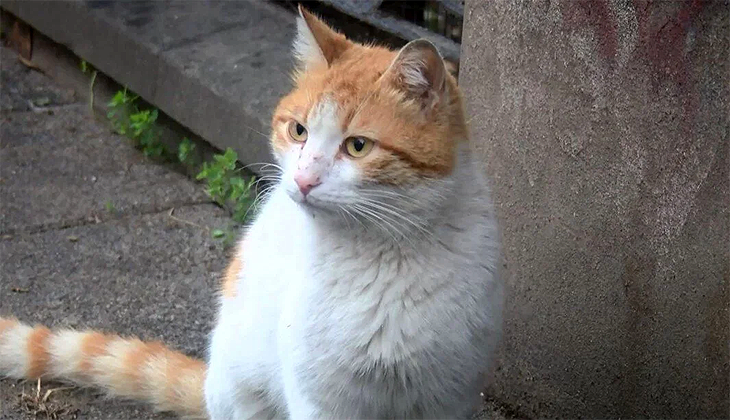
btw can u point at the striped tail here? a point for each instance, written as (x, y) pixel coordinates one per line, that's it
(125, 367)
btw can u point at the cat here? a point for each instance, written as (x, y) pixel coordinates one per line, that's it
(367, 285)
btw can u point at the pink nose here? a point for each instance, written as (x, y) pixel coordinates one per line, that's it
(306, 183)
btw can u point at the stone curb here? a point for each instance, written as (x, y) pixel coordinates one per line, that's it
(216, 68)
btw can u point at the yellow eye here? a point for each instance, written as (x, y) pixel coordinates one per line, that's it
(297, 131)
(358, 147)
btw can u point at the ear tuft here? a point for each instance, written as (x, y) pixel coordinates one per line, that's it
(316, 44)
(419, 71)
(306, 49)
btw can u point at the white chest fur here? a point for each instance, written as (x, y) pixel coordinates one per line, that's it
(348, 326)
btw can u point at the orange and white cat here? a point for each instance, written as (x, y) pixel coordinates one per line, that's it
(367, 286)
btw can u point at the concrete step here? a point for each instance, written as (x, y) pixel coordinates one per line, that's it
(217, 67)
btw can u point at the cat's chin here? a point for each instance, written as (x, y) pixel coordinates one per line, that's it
(296, 196)
(323, 212)
(307, 203)
(317, 208)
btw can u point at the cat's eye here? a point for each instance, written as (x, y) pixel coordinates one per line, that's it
(297, 131)
(358, 147)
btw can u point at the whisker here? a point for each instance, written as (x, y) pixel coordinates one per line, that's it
(389, 221)
(388, 194)
(268, 178)
(256, 131)
(373, 218)
(262, 195)
(351, 215)
(263, 164)
(344, 213)
(361, 104)
(395, 211)
(396, 194)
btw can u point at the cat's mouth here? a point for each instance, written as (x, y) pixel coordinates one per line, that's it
(313, 203)
(307, 201)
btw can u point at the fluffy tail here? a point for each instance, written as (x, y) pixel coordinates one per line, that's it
(125, 367)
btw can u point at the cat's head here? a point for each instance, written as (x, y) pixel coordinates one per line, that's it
(366, 129)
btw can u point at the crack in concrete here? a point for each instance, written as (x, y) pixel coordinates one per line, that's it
(36, 110)
(94, 219)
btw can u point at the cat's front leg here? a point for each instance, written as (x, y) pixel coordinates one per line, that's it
(298, 403)
(228, 399)
(222, 406)
(229, 394)
(220, 400)
(299, 406)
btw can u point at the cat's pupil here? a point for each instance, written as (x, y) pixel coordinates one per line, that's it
(300, 129)
(359, 144)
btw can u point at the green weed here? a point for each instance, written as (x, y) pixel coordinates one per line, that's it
(226, 186)
(145, 133)
(139, 125)
(87, 68)
(227, 235)
(222, 176)
(186, 153)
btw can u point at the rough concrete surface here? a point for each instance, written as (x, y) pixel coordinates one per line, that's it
(53, 153)
(604, 126)
(216, 67)
(67, 261)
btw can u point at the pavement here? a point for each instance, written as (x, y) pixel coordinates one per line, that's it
(87, 239)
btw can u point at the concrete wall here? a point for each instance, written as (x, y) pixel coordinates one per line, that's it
(604, 127)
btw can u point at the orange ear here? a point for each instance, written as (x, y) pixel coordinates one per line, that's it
(316, 43)
(419, 71)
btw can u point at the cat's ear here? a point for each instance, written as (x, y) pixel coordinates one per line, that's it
(316, 44)
(419, 71)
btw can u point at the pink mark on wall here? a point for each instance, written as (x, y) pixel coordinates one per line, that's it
(661, 43)
(595, 14)
(664, 37)
(663, 40)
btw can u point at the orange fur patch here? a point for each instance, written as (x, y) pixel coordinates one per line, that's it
(136, 358)
(93, 345)
(414, 142)
(231, 276)
(179, 369)
(6, 324)
(38, 351)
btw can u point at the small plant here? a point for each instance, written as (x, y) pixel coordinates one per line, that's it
(120, 108)
(226, 187)
(224, 183)
(227, 235)
(186, 153)
(144, 132)
(87, 68)
(139, 125)
(110, 208)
